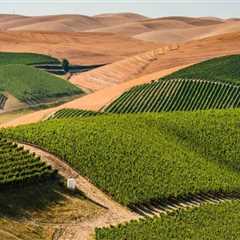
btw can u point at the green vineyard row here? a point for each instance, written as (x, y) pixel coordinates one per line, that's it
(139, 157)
(177, 95)
(72, 113)
(18, 166)
(217, 222)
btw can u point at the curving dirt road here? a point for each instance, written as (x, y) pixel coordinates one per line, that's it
(114, 215)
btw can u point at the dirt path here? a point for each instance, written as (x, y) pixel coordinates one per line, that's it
(115, 214)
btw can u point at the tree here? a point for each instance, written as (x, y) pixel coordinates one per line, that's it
(65, 65)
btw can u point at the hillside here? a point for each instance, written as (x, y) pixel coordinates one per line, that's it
(86, 48)
(7, 58)
(222, 69)
(181, 35)
(162, 155)
(210, 84)
(32, 85)
(20, 167)
(193, 224)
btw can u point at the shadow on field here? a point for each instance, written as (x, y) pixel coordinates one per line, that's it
(21, 202)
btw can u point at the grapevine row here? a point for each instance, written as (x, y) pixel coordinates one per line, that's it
(177, 95)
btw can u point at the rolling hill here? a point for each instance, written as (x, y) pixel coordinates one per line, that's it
(162, 155)
(210, 84)
(20, 167)
(32, 85)
(193, 224)
(86, 48)
(7, 58)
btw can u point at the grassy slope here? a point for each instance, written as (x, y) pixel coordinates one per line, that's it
(225, 69)
(137, 157)
(25, 58)
(25, 81)
(210, 222)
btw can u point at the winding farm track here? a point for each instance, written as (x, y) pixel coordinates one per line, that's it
(115, 213)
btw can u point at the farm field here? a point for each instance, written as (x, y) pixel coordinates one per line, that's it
(211, 84)
(186, 224)
(222, 69)
(7, 58)
(33, 86)
(191, 168)
(72, 113)
(119, 126)
(18, 166)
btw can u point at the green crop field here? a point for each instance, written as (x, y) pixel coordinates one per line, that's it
(72, 113)
(25, 58)
(208, 222)
(136, 158)
(213, 84)
(177, 95)
(222, 69)
(18, 166)
(32, 85)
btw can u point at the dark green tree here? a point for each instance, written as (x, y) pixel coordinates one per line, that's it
(65, 65)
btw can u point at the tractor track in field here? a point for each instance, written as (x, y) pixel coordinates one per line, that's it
(115, 213)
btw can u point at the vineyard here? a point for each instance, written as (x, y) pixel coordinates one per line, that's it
(18, 166)
(208, 222)
(72, 113)
(3, 100)
(177, 95)
(7, 58)
(222, 69)
(161, 155)
(33, 85)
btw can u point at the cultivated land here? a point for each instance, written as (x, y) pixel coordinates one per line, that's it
(7, 58)
(160, 175)
(126, 139)
(210, 84)
(33, 86)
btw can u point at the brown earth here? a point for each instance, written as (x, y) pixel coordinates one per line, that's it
(180, 35)
(65, 23)
(80, 48)
(159, 59)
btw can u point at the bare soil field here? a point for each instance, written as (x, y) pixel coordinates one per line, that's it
(159, 59)
(79, 48)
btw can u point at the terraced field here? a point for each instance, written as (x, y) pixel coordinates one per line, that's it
(72, 113)
(161, 155)
(33, 86)
(19, 167)
(7, 58)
